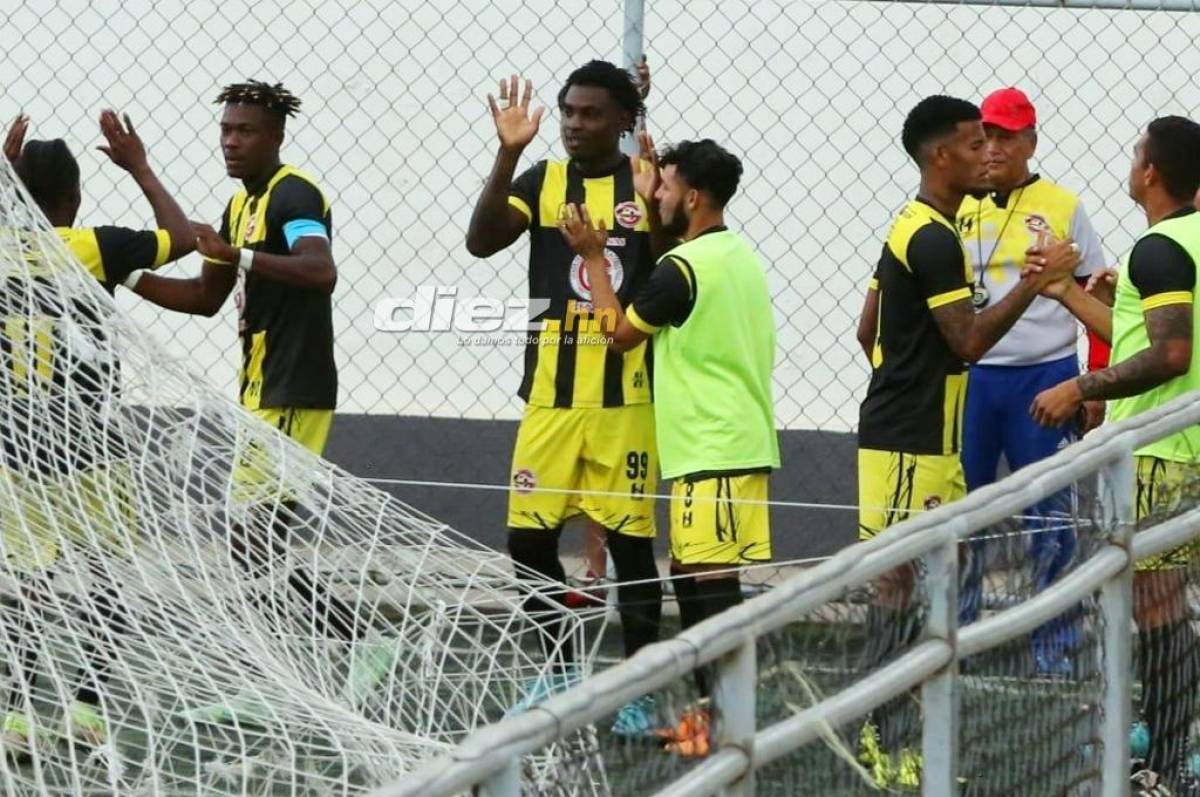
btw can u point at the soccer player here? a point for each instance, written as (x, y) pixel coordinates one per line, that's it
(275, 240)
(110, 254)
(587, 433)
(708, 309)
(1155, 358)
(910, 423)
(1038, 352)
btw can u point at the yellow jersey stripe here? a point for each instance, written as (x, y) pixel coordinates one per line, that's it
(873, 285)
(542, 391)
(164, 247)
(948, 297)
(638, 322)
(1167, 298)
(554, 193)
(520, 205)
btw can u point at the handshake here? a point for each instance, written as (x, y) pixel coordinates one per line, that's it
(1050, 266)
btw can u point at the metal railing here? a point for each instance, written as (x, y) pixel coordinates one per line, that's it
(490, 757)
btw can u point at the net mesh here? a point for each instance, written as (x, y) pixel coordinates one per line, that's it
(191, 601)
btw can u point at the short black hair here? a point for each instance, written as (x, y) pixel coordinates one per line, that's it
(274, 97)
(620, 85)
(1173, 148)
(49, 172)
(934, 117)
(706, 166)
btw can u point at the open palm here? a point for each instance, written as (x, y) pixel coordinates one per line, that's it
(646, 174)
(514, 124)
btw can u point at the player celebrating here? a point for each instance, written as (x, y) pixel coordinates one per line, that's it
(114, 256)
(275, 238)
(910, 422)
(709, 311)
(1155, 358)
(588, 424)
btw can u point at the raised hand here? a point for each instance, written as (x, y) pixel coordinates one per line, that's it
(575, 224)
(646, 175)
(1051, 262)
(125, 147)
(15, 140)
(643, 77)
(514, 124)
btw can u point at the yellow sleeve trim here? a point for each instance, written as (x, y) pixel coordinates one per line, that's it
(638, 322)
(164, 247)
(873, 285)
(1164, 299)
(948, 297)
(520, 205)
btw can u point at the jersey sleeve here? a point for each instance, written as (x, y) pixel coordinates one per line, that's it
(667, 297)
(523, 193)
(873, 283)
(123, 251)
(1091, 255)
(300, 210)
(936, 259)
(1162, 271)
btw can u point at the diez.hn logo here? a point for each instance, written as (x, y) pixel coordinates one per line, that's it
(440, 309)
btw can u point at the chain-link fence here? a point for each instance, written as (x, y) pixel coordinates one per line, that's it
(394, 126)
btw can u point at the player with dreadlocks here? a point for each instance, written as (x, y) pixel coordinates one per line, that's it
(585, 445)
(275, 241)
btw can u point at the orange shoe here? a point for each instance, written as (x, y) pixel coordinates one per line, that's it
(691, 738)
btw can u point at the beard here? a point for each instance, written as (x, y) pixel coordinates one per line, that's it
(677, 225)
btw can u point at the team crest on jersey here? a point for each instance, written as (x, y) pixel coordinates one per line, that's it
(933, 502)
(1036, 224)
(628, 215)
(579, 279)
(965, 224)
(524, 481)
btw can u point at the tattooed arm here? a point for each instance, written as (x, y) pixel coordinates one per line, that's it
(1165, 277)
(1169, 356)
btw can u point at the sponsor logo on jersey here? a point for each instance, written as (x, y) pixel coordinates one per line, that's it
(579, 279)
(628, 214)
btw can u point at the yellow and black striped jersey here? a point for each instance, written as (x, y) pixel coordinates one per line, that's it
(915, 400)
(286, 331)
(110, 254)
(58, 373)
(567, 361)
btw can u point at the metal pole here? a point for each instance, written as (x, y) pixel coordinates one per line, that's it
(504, 783)
(733, 697)
(939, 694)
(632, 46)
(1116, 607)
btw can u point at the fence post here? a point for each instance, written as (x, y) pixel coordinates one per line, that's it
(939, 694)
(733, 698)
(1116, 607)
(632, 46)
(503, 783)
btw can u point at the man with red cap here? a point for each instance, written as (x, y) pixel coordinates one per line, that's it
(1022, 209)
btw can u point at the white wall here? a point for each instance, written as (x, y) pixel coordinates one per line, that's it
(394, 126)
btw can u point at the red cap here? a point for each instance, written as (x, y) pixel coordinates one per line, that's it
(1009, 109)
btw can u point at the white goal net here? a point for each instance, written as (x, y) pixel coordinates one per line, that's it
(192, 602)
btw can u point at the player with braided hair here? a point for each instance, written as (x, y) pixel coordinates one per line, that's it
(275, 243)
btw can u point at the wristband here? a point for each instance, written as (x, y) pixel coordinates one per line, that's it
(131, 281)
(246, 259)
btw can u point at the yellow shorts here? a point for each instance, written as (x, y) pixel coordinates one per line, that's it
(92, 510)
(28, 542)
(713, 523)
(1164, 488)
(893, 485)
(607, 451)
(254, 476)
